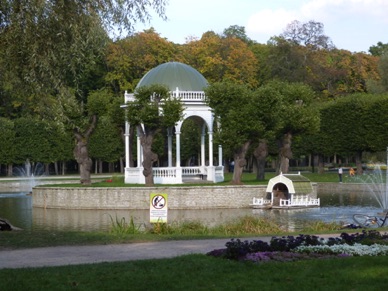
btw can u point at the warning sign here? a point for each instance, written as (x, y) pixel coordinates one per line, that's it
(158, 208)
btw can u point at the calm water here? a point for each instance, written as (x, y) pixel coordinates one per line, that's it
(17, 208)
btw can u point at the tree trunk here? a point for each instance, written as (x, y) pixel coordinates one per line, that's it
(359, 163)
(100, 166)
(81, 153)
(321, 165)
(239, 163)
(261, 153)
(9, 170)
(121, 165)
(56, 170)
(149, 157)
(285, 153)
(63, 168)
(47, 169)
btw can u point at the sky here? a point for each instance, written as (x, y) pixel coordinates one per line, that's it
(353, 25)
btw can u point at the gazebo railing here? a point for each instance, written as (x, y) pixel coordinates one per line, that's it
(174, 175)
(189, 95)
(193, 171)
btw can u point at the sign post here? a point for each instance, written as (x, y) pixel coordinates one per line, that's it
(158, 208)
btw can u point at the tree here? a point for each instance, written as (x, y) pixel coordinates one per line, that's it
(152, 110)
(81, 151)
(375, 122)
(343, 129)
(222, 58)
(7, 144)
(336, 73)
(262, 53)
(383, 70)
(48, 54)
(298, 116)
(270, 111)
(190, 141)
(105, 143)
(244, 119)
(353, 125)
(237, 32)
(98, 106)
(310, 34)
(331, 73)
(129, 59)
(286, 60)
(50, 45)
(379, 49)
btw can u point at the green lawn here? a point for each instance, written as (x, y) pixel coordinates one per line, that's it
(200, 272)
(247, 179)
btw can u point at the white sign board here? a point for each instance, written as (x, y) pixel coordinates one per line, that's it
(158, 208)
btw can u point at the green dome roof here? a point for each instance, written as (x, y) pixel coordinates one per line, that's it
(175, 75)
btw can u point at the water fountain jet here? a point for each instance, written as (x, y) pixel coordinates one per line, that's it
(29, 174)
(377, 184)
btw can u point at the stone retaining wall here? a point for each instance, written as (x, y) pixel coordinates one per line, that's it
(200, 197)
(25, 185)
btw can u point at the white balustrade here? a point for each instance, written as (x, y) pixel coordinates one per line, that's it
(189, 95)
(260, 201)
(164, 172)
(300, 200)
(285, 202)
(191, 171)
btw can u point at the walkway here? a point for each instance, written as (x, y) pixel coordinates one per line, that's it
(74, 255)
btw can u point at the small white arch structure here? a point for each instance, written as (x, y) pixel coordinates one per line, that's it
(291, 190)
(186, 84)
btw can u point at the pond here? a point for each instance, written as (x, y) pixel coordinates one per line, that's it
(17, 208)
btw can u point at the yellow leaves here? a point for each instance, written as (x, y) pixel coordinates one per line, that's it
(219, 58)
(129, 59)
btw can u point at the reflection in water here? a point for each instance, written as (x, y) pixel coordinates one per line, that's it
(17, 208)
(101, 219)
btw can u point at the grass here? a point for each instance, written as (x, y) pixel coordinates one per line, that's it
(190, 272)
(117, 180)
(201, 272)
(126, 231)
(247, 179)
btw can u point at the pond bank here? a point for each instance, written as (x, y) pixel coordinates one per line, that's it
(179, 197)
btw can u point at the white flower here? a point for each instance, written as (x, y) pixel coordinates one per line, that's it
(354, 250)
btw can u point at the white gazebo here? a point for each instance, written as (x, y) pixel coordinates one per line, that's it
(186, 84)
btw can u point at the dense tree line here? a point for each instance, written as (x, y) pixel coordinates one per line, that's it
(62, 78)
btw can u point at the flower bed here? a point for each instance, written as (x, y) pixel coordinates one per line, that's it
(302, 247)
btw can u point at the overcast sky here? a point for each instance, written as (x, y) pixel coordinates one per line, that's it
(354, 25)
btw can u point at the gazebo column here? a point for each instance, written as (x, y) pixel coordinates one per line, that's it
(178, 169)
(210, 168)
(178, 149)
(203, 146)
(220, 155)
(139, 150)
(169, 141)
(127, 126)
(210, 148)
